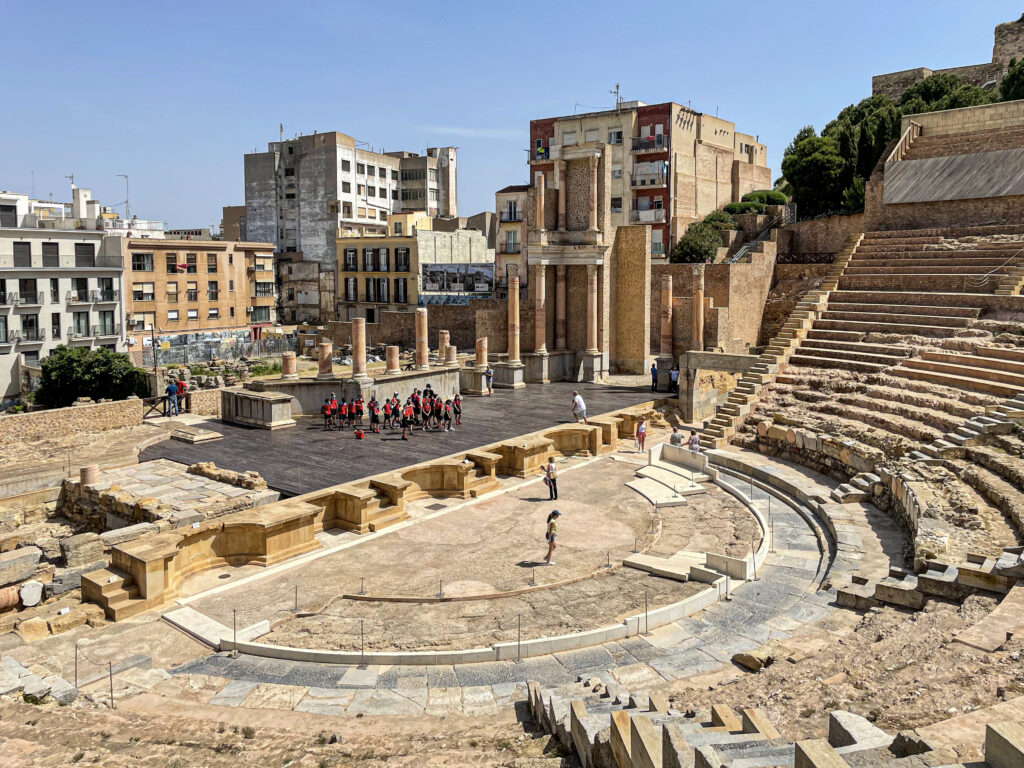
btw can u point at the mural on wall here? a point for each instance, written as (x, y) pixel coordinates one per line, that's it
(457, 278)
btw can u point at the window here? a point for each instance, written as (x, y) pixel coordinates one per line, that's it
(172, 315)
(193, 314)
(568, 138)
(361, 213)
(142, 291)
(143, 321)
(433, 194)
(30, 328)
(289, 171)
(141, 262)
(192, 291)
(360, 189)
(291, 150)
(289, 195)
(80, 324)
(107, 326)
(211, 262)
(413, 194)
(614, 136)
(8, 216)
(55, 325)
(79, 289)
(591, 134)
(394, 194)
(213, 290)
(382, 192)
(346, 210)
(54, 290)
(350, 260)
(231, 311)
(658, 204)
(346, 187)
(213, 312)
(398, 228)
(172, 263)
(371, 191)
(401, 296)
(371, 289)
(616, 171)
(264, 290)
(382, 172)
(367, 259)
(394, 175)
(401, 259)
(191, 263)
(231, 259)
(371, 170)
(85, 256)
(231, 286)
(3, 328)
(51, 255)
(383, 292)
(261, 314)
(23, 254)
(350, 289)
(172, 292)
(383, 260)
(414, 174)
(616, 205)
(432, 174)
(360, 168)
(346, 165)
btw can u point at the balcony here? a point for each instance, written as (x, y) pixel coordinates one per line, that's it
(653, 216)
(545, 154)
(172, 298)
(31, 335)
(511, 215)
(509, 248)
(13, 336)
(649, 180)
(82, 332)
(106, 329)
(77, 297)
(29, 298)
(105, 296)
(649, 143)
(142, 296)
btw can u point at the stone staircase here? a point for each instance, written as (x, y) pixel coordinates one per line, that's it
(115, 591)
(608, 727)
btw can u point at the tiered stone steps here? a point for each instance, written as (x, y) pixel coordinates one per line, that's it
(946, 145)
(991, 370)
(115, 591)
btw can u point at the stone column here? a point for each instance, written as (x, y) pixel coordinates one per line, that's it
(451, 359)
(561, 195)
(443, 339)
(592, 198)
(391, 356)
(89, 474)
(481, 353)
(513, 317)
(540, 314)
(541, 188)
(359, 348)
(697, 328)
(422, 351)
(666, 315)
(560, 307)
(324, 353)
(592, 308)
(288, 368)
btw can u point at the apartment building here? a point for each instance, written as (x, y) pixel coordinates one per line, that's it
(511, 207)
(670, 165)
(232, 223)
(57, 286)
(205, 287)
(412, 265)
(302, 191)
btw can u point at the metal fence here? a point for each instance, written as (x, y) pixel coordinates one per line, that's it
(204, 351)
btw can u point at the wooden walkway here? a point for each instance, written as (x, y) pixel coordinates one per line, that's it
(305, 458)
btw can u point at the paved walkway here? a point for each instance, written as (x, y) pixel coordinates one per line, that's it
(305, 458)
(783, 601)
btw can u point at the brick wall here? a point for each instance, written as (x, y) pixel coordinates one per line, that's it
(75, 420)
(1007, 114)
(818, 240)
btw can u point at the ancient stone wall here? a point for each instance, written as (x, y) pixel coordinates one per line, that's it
(577, 194)
(631, 301)
(205, 402)
(940, 214)
(818, 240)
(75, 420)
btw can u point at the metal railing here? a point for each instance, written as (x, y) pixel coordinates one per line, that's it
(213, 295)
(652, 216)
(141, 296)
(106, 295)
(788, 216)
(79, 333)
(509, 248)
(106, 329)
(649, 180)
(511, 216)
(22, 299)
(649, 143)
(34, 334)
(191, 295)
(75, 297)
(13, 336)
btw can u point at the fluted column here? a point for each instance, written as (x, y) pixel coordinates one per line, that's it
(422, 350)
(540, 314)
(666, 315)
(592, 308)
(324, 355)
(513, 316)
(391, 358)
(359, 347)
(560, 307)
(697, 329)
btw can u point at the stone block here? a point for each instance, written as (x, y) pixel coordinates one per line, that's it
(18, 565)
(66, 579)
(1004, 745)
(36, 689)
(9, 682)
(121, 535)
(82, 549)
(64, 622)
(31, 593)
(61, 690)
(33, 629)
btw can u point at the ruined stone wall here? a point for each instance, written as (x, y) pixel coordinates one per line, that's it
(818, 240)
(492, 323)
(631, 308)
(205, 402)
(75, 420)
(577, 194)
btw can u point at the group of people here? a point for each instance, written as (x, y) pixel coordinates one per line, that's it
(175, 391)
(673, 377)
(423, 408)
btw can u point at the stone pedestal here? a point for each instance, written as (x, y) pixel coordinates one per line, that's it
(288, 367)
(590, 366)
(536, 368)
(473, 382)
(89, 474)
(509, 375)
(451, 356)
(391, 358)
(422, 349)
(264, 410)
(324, 355)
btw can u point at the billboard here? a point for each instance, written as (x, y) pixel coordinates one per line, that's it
(457, 278)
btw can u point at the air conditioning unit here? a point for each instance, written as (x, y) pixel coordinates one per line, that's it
(248, 310)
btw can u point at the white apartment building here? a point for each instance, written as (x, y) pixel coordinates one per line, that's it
(58, 285)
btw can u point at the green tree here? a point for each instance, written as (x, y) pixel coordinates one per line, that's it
(1012, 86)
(804, 133)
(72, 372)
(699, 244)
(721, 220)
(815, 172)
(930, 90)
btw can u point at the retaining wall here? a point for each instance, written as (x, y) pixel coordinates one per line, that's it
(58, 423)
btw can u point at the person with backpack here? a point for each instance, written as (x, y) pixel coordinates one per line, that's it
(359, 410)
(406, 420)
(549, 535)
(342, 413)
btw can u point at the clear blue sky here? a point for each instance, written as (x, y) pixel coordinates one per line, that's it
(173, 94)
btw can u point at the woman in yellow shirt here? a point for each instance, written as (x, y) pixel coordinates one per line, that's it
(552, 531)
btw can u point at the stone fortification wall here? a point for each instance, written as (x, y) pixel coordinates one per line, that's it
(817, 240)
(74, 420)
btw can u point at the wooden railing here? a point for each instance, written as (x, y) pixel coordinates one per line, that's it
(903, 146)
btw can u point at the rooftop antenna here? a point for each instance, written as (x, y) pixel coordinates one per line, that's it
(127, 207)
(280, 131)
(72, 177)
(618, 98)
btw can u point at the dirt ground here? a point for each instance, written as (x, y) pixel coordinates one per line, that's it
(36, 451)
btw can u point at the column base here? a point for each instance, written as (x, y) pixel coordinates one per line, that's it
(509, 375)
(393, 373)
(589, 366)
(473, 382)
(536, 368)
(327, 377)
(289, 376)
(356, 386)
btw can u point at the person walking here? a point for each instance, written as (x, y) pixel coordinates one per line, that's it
(172, 398)
(641, 434)
(676, 438)
(551, 478)
(359, 406)
(579, 408)
(438, 413)
(694, 442)
(489, 375)
(552, 531)
(654, 377)
(457, 408)
(406, 420)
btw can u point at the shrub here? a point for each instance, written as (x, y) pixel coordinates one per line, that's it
(265, 369)
(748, 207)
(700, 244)
(766, 196)
(71, 372)
(721, 220)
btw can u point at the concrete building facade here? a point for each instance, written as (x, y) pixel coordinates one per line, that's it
(669, 165)
(510, 205)
(302, 191)
(232, 223)
(412, 265)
